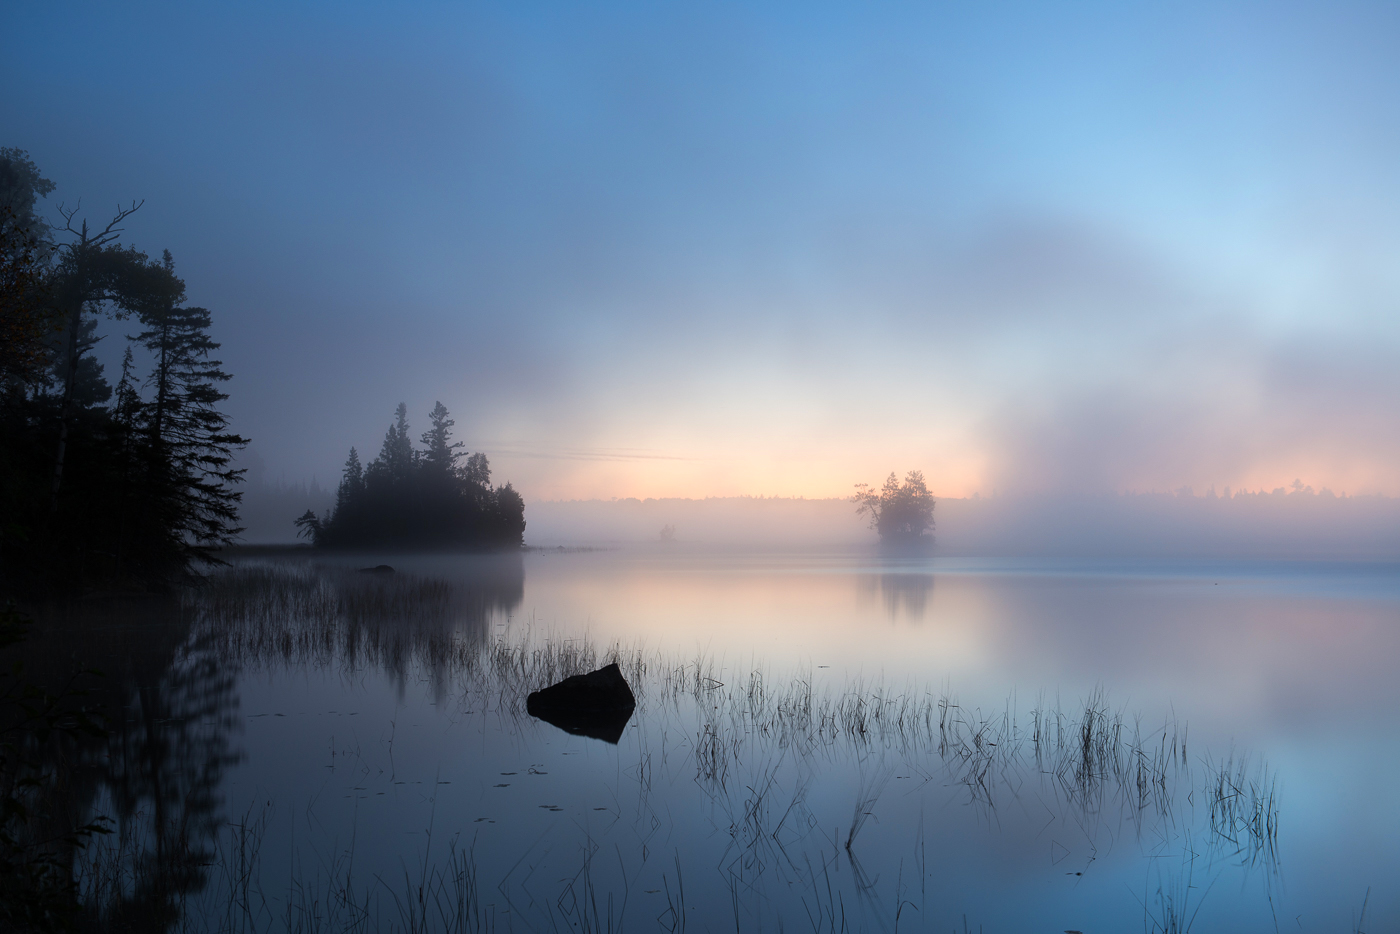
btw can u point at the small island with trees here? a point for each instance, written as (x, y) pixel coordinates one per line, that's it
(901, 513)
(409, 498)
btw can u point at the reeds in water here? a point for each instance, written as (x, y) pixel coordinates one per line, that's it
(1089, 761)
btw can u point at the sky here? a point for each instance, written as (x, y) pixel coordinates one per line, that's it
(713, 249)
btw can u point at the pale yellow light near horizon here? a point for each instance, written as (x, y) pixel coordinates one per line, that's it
(963, 475)
(732, 473)
(972, 429)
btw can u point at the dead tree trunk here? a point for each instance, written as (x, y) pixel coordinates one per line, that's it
(87, 289)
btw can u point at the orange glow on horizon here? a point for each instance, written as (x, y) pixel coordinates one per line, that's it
(724, 477)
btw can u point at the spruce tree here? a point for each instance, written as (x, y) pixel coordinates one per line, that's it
(352, 481)
(440, 456)
(397, 457)
(190, 475)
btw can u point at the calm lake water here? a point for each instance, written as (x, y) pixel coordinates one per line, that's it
(824, 740)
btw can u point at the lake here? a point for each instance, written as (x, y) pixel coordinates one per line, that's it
(824, 740)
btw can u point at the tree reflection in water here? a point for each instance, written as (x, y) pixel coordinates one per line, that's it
(406, 626)
(168, 706)
(904, 595)
(167, 696)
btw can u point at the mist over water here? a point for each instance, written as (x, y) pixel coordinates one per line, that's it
(1301, 524)
(1017, 741)
(612, 308)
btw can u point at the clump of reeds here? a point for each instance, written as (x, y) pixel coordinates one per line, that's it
(1243, 801)
(260, 614)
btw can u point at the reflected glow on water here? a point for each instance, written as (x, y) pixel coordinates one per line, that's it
(904, 705)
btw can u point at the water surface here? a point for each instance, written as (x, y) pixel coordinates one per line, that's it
(824, 740)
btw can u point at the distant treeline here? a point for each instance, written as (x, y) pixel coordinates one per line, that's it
(1295, 522)
(407, 498)
(99, 486)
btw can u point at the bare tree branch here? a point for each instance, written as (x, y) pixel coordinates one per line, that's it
(108, 234)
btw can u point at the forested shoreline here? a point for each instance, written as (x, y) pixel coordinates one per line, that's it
(124, 487)
(133, 486)
(127, 487)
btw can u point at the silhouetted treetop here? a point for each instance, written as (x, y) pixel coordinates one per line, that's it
(898, 512)
(419, 498)
(441, 451)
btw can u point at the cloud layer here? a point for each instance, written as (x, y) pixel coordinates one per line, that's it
(721, 249)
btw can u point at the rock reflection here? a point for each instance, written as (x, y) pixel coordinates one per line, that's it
(606, 725)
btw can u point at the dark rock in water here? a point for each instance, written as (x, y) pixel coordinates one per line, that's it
(597, 704)
(377, 569)
(604, 689)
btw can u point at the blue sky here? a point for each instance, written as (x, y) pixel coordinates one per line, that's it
(707, 249)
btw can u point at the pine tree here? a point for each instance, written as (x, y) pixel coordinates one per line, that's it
(25, 251)
(92, 271)
(127, 410)
(396, 457)
(352, 481)
(191, 449)
(440, 456)
(26, 321)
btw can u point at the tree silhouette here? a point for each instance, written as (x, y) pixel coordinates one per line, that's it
(26, 321)
(440, 454)
(102, 489)
(898, 512)
(92, 272)
(407, 498)
(189, 448)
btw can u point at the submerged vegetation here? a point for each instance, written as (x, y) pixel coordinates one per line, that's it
(103, 487)
(419, 498)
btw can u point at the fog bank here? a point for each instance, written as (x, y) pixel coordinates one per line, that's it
(1300, 523)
